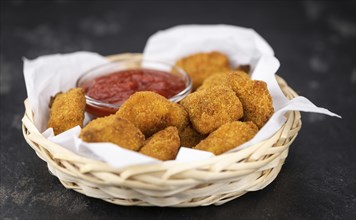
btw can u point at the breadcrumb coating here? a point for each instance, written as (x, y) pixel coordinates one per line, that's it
(210, 108)
(255, 98)
(228, 136)
(67, 110)
(163, 145)
(115, 130)
(202, 65)
(214, 80)
(151, 112)
(189, 137)
(221, 79)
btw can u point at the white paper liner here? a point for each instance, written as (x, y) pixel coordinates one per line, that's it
(47, 75)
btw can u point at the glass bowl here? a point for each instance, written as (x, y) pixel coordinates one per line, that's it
(98, 108)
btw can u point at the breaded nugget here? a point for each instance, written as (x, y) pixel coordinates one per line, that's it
(113, 129)
(189, 137)
(163, 145)
(67, 110)
(151, 112)
(214, 80)
(221, 79)
(255, 98)
(210, 108)
(228, 136)
(202, 65)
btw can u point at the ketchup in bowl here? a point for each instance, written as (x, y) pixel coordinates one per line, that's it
(107, 90)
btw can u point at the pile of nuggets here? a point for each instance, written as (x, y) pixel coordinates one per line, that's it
(225, 110)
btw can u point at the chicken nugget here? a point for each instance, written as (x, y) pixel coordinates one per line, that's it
(255, 98)
(113, 129)
(210, 108)
(228, 136)
(163, 145)
(221, 79)
(67, 110)
(214, 80)
(151, 112)
(202, 65)
(189, 137)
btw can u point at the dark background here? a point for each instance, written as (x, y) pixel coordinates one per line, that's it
(314, 41)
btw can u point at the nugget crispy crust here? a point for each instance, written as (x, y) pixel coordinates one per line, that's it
(255, 98)
(202, 65)
(237, 78)
(210, 108)
(163, 145)
(228, 136)
(151, 112)
(67, 110)
(217, 79)
(189, 137)
(221, 79)
(115, 130)
(178, 117)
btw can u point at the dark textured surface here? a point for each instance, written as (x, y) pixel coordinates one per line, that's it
(315, 42)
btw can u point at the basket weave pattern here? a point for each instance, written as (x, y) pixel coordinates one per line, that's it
(216, 180)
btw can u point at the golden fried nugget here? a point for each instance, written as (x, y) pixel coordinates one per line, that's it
(221, 79)
(151, 112)
(214, 80)
(189, 137)
(228, 136)
(210, 108)
(67, 110)
(202, 65)
(113, 129)
(255, 98)
(163, 145)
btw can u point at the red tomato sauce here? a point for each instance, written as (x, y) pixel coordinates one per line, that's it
(117, 87)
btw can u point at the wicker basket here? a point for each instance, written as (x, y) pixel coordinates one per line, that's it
(212, 181)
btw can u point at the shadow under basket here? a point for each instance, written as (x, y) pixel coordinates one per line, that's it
(216, 180)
